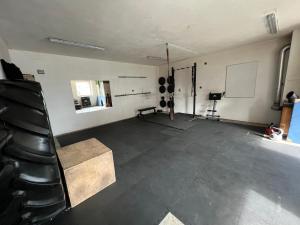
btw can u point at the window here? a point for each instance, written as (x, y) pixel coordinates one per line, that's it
(91, 95)
(83, 88)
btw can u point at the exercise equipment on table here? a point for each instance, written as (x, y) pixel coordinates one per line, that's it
(212, 112)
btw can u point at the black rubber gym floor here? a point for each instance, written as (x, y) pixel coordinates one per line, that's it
(213, 173)
(181, 121)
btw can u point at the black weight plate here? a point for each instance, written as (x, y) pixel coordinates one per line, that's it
(162, 89)
(162, 80)
(170, 80)
(171, 88)
(162, 103)
(162, 97)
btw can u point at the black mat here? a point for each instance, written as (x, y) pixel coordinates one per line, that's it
(213, 173)
(181, 121)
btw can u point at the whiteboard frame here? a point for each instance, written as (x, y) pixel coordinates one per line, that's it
(257, 62)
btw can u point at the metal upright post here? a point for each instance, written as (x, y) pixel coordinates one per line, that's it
(194, 76)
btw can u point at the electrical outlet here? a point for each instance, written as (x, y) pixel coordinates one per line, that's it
(40, 71)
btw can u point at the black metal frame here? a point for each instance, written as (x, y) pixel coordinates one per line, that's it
(194, 80)
(194, 84)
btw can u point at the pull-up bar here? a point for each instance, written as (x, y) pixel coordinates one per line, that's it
(183, 68)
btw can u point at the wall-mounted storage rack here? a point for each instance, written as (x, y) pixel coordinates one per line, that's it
(140, 93)
(132, 77)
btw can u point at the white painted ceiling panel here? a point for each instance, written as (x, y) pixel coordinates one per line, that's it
(130, 30)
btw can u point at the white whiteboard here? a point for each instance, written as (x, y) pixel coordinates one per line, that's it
(241, 80)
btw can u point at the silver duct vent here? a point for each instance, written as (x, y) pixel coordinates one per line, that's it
(284, 55)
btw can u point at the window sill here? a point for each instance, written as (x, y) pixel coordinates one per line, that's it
(91, 109)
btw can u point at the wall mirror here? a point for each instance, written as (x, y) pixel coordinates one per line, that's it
(91, 95)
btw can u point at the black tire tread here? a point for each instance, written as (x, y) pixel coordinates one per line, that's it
(21, 152)
(28, 160)
(23, 96)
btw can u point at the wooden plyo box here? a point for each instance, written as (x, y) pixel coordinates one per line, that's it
(88, 168)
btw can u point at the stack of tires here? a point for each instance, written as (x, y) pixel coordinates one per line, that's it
(31, 190)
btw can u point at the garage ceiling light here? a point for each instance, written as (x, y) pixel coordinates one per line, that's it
(272, 23)
(156, 58)
(76, 44)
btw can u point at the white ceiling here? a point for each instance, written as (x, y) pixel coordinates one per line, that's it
(130, 30)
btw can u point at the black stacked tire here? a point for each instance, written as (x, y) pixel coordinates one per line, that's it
(31, 190)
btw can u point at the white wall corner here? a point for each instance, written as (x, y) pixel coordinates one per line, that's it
(292, 82)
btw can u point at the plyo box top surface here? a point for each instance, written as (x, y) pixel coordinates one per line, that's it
(80, 152)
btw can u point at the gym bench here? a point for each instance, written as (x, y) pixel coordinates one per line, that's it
(145, 109)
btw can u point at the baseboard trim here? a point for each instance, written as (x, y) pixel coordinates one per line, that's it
(75, 131)
(244, 123)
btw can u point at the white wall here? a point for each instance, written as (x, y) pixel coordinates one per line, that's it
(292, 82)
(58, 94)
(212, 78)
(3, 55)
